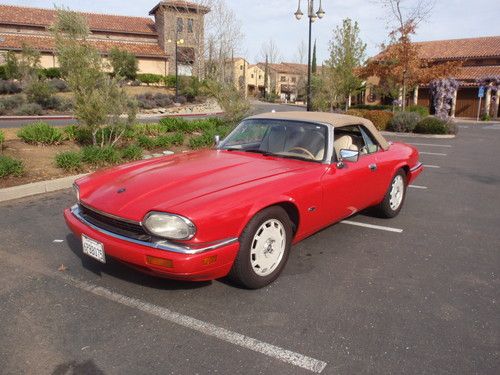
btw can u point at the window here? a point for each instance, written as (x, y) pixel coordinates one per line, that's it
(283, 78)
(241, 67)
(252, 75)
(356, 138)
(180, 25)
(294, 79)
(260, 77)
(190, 25)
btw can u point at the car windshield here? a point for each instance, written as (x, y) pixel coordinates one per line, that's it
(283, 138)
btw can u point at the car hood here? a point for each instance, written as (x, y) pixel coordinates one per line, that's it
(130, 191)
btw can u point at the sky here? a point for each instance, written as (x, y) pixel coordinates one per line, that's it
(262, 20)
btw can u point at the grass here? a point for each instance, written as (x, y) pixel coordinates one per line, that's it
(132, 152)
(10, 167)
(100, 156)
(70, 161)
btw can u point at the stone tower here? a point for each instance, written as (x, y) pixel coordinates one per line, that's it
(182, 21)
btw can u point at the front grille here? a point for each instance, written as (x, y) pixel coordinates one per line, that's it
(117, 226)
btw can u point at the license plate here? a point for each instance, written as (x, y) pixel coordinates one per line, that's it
(93, 248)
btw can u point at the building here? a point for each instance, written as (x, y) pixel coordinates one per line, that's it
(246, 77)
(151, 40)
(479, 59)
(287, 80)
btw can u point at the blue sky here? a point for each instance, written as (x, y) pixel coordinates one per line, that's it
(264, 19)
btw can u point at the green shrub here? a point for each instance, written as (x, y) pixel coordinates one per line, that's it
(176, 124)
(58, 85)
(149, 129)
(3, 73)
(52, 73)
(146, 142)
(2, 140)
(132, 152)
(13, 102)
(169, 81)
(421, 110)
(9, 87)
(485, 117)
(207, 138)
(356, 112)
(40, 92)
(40, 133)
(70, 161)
(163, 141)
(150, 78)
(381, 119)
(29, 109)
(177, 139)
(10, 167)
(434, 125)
(404, 122)
(100, 156)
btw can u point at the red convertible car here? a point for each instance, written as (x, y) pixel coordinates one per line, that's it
(237, 209)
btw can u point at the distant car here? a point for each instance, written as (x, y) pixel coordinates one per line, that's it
(237, 209)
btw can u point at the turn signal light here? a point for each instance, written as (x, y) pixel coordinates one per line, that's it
(209, 260)
(161, 262)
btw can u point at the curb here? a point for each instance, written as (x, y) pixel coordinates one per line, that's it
(164, 115)
(20, 118)
(413, 135)
(36, 188)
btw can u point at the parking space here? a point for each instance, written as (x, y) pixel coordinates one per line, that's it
(414, 294)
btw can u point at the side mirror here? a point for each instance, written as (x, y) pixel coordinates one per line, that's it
(217, 140)
(347, 155)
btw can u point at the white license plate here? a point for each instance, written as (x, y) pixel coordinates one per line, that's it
(93, 248)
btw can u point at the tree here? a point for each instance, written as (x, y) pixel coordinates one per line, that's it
(314, 64)
(24, 66)
(399, 67)
(270, 50)
(347, 53)
(301, 55)
(99, 100)
(266, 77)
(124, 63)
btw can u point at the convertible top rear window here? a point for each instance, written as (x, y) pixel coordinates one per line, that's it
(285, 138)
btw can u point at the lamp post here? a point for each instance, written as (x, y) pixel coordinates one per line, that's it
(312, 18)
(177, 43)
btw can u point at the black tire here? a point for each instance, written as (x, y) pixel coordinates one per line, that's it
(384, 209)
(242, 271)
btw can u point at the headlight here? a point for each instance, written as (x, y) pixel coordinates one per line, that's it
(169, 226)
(77, 192)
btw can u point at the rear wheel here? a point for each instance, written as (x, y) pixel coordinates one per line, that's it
(395, 196)
(264, 247)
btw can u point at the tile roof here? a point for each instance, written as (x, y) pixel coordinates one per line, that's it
(472, 73)
(17, 15)
(460, 48)
(46, 44)
(181, 4)
(286, 68)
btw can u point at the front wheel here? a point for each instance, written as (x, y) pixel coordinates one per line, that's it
(395, 196)
(264, 247)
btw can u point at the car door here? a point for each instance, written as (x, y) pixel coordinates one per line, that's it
(348, 187)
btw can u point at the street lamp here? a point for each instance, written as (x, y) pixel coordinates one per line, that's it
(312, 18)
(177, 43)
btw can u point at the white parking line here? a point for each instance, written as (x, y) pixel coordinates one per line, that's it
(429, 144)
(432, 153)
(431, 166)
(371, 226)
(208, 329)
(418, 187)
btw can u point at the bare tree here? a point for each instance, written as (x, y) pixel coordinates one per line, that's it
(301, 55)
(270, 50)
(403, 13)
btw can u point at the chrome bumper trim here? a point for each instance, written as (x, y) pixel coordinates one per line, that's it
(419, 165)
(160, 245)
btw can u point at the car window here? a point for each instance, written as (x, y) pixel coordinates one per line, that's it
(356, 138)
(371, 145)
(285, 138)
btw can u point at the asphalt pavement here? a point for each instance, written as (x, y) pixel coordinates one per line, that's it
(256, 108)
(417, 294)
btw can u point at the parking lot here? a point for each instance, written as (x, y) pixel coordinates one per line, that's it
(417, 294)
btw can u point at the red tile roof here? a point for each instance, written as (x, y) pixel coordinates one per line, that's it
(181, 4)
(46, 44)
(472, 73)
(460, 48)
(27, 16)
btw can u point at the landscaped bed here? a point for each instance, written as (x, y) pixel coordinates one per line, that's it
(40, 152)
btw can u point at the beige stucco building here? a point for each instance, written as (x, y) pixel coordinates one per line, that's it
(246, 77)
(151, 40)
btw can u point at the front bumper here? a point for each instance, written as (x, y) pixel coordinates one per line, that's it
(189, 263)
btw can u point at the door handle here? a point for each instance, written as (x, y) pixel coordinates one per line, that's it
(373, 167)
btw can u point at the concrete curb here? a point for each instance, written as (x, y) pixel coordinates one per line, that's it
(36, 188)
(413, 135)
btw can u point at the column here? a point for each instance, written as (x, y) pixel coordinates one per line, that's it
(454, 104)
(415, 96)
(487, 100)
(497, 103)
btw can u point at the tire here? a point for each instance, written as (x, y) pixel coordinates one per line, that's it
(264, 248)
(394, 197)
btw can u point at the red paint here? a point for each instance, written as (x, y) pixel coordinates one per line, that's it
(220, 191)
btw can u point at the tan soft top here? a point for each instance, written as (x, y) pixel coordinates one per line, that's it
(334, 119)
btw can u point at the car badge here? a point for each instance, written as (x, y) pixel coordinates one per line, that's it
(121, 190)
